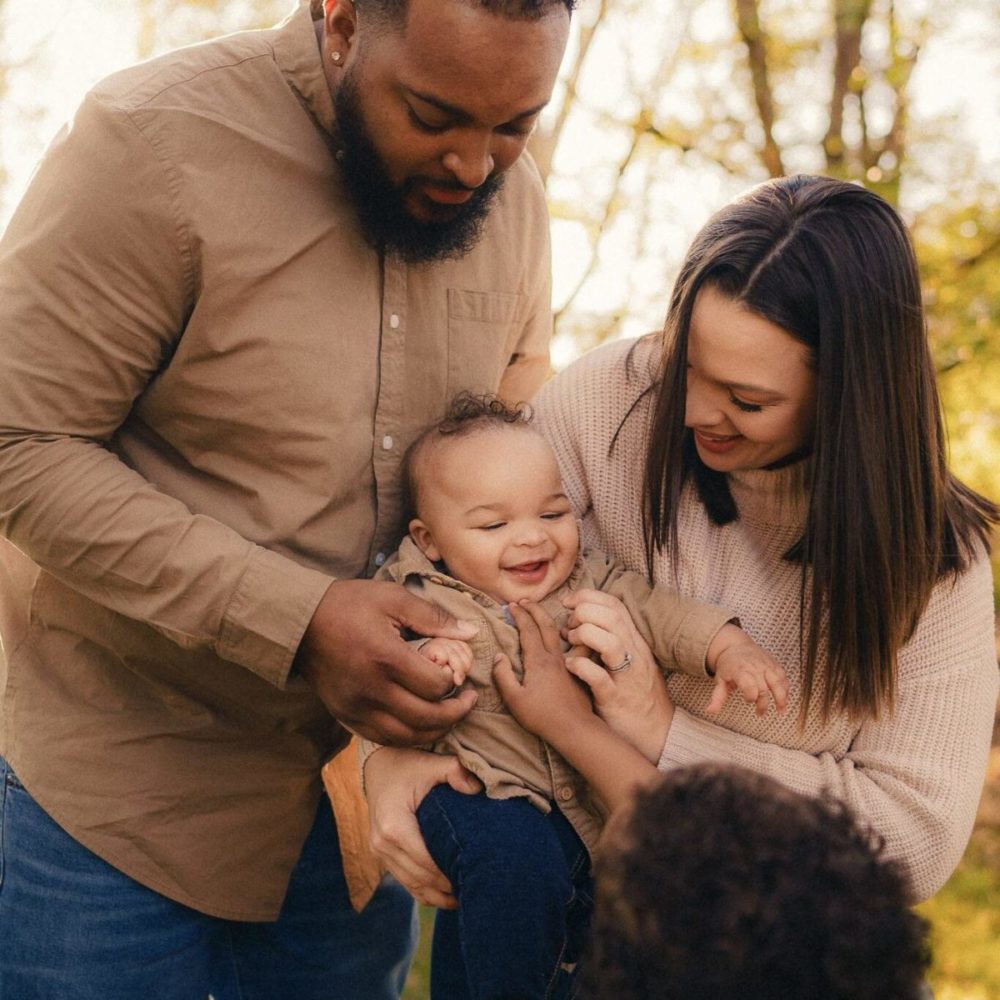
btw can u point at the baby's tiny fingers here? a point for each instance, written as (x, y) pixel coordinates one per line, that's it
(750, 687)
(779, 690)
(719, 694)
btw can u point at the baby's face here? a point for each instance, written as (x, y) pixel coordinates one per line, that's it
(492, 507)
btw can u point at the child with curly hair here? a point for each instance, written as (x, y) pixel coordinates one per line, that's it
(719, 883)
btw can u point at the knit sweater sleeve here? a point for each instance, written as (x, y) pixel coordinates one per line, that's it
(914, 775)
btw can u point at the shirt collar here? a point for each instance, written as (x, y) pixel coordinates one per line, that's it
(410, 561)
(297, 55)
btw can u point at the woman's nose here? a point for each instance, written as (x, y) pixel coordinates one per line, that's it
(701, 411)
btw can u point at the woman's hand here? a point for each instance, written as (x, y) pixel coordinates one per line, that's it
(630, 693)
(548, 701)
(396, 782)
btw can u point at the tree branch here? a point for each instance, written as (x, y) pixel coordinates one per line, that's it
(748, 24)
(848, 76)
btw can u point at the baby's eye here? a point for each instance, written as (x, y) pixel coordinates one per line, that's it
(493, 526)
(742, 404)
(553, 515)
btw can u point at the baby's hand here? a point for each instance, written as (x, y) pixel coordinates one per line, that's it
(452, 654)
(741, 665)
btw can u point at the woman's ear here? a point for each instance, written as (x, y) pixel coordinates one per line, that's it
(421, 535)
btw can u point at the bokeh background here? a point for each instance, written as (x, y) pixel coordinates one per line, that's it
(665, 110)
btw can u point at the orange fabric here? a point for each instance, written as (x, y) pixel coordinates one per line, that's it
(362, 870)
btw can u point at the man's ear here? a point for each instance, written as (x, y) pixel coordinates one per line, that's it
(340, 23)
(421, 535)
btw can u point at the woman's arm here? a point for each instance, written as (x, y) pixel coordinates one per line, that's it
(915, 775)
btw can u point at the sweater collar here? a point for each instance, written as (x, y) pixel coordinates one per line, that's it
(773, 496)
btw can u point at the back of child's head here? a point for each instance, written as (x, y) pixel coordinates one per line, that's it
(468, 413)
(723, 885)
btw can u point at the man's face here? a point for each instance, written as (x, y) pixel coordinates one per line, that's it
(431, 112)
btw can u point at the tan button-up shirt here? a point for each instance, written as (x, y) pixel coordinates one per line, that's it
(207, 380)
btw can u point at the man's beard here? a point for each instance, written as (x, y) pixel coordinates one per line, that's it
(381, 205)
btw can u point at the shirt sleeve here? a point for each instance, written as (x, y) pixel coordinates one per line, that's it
(914, 775)
(98, 272)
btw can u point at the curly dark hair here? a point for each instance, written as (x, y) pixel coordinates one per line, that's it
(467, 413)
(728, 885)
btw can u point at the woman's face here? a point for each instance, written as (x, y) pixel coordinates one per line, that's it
(751, 393)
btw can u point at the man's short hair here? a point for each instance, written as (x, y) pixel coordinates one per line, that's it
(724, 884)
(394, 11)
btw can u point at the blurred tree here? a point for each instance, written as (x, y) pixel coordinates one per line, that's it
(958, 243)
(756, 89)
(164, 24)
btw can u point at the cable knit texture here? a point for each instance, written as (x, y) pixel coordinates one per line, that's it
(915, 775)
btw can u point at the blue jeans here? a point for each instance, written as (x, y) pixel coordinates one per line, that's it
(72, 927)
(522, 879)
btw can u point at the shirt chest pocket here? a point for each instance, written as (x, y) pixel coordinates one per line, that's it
(482, 335)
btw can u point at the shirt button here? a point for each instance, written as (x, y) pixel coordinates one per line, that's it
(394, 321)
(387, 443)
(565, 793)
(380, 559)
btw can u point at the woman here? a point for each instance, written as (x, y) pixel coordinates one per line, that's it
(778, 451)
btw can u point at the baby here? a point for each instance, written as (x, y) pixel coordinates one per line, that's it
(493, 527)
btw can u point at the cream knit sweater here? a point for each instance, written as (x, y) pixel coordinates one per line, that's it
(916, 775)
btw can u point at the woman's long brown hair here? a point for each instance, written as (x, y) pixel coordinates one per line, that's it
(832, 264)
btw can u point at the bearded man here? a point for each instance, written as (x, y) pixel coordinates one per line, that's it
(243, 278)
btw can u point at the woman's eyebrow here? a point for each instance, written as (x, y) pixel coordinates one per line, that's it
(759, 389)
(741, 386)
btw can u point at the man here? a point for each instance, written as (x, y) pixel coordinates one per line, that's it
(241, 281)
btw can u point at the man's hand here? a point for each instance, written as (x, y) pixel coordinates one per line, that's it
(353, 656)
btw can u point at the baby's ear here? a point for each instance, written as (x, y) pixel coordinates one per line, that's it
(421, 535)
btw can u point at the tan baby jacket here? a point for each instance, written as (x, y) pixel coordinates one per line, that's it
(508, 759)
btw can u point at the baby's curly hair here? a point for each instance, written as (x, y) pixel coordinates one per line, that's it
(468, 413)
(728, 885)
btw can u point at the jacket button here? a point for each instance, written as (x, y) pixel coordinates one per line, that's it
(565, 793)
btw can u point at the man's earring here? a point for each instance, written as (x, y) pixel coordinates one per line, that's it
(335, 56)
